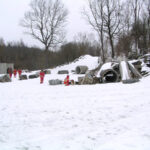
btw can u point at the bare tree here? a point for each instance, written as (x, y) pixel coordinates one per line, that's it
(104, 17)
(136, 10)
(45, 21)
(95, 18)
(112, 21)
(147, 14)
(127, 16)
(2, 42)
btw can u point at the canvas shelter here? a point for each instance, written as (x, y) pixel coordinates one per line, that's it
(4, 66)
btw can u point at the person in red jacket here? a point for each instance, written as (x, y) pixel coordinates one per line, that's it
(66, 81)
(15, 72)
(42, 74)
(19, 72)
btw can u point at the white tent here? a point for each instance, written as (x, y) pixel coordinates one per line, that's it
(4, 66)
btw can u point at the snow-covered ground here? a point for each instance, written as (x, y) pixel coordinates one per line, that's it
(112, 116)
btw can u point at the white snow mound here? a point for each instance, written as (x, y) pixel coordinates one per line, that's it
(36, 116)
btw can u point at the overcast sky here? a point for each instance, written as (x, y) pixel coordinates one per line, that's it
(12, 11)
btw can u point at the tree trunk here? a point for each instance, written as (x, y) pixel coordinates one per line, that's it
(46, 58)
(102, 35)
(111, 44)
(46, 48)
(102, 48)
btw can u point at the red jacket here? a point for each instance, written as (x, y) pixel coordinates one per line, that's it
(19, 71)
(15, 71)
(42, 74)
(10, 71)
(66, 81)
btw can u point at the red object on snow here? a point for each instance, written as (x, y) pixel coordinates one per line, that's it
(15, 72)
(42, 74)
(66, 81)
(19, 72)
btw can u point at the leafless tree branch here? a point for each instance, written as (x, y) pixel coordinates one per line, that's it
(45, 21)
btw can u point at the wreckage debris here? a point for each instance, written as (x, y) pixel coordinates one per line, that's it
(138, 65)
(33, 76)
(134, 72)
(145, 73)
(5, 78)
(89, 78)
(80, 79)
(129, 74)
(146, 59)
(23, 77)
(112, 72)
(63, 72)
(81, 69)
(55, 82)
(47, 71)
(109, 75)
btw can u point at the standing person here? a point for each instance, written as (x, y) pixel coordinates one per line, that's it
(7, 70)
(15, 72)
(42, 74)
(66, 81)
(10, 72)
(19, 72)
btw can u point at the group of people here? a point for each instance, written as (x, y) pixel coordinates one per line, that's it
(42, 74)
(10, 71)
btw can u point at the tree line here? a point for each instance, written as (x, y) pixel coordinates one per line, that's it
(33, 58)
(123, 25)
(122, 28)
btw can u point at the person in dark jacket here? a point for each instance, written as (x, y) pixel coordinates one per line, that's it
(10, 72)
(7, 70)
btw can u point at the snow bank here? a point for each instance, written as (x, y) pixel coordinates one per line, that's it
(87, 60)
(36, 116)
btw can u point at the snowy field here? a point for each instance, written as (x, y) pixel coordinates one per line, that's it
(36, 116)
